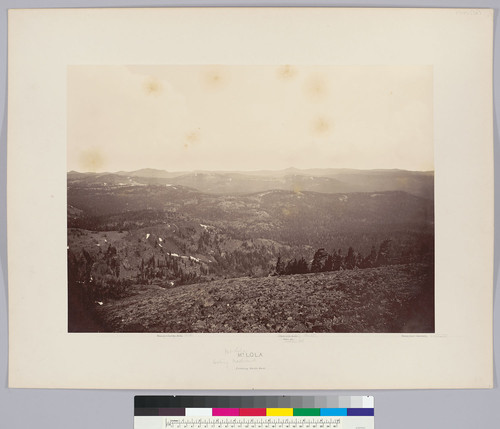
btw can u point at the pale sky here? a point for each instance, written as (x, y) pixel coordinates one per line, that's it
(181, 118)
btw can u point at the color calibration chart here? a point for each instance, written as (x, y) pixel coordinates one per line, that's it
(254, 412)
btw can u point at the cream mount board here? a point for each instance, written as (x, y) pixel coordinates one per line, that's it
(452, 46)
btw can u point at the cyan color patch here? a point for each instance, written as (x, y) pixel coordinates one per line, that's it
(333, 412)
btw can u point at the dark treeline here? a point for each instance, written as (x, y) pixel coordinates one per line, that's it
(123, 221)
(100, 274)
(336, 261)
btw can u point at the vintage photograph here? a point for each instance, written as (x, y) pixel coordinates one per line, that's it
(250, 199)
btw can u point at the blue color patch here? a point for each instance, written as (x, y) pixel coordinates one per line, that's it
(360, 411)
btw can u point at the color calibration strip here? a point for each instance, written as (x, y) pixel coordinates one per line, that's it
(257, 411)
(253, 412)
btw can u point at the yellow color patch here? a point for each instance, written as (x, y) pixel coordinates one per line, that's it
(279, 412)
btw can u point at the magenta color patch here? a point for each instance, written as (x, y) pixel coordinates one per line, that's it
(225, 412)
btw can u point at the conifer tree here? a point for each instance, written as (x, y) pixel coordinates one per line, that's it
(350, 260)
(280, 266)
(302, 266)
(328, 263)
(383, 253)
(318, 262)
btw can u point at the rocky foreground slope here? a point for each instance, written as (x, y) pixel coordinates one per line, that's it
(398, 298)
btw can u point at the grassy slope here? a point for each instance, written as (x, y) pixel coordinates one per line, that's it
(395, 298)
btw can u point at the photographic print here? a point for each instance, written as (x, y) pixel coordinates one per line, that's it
(244, 199)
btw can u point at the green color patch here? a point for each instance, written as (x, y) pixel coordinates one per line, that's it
(306, 411)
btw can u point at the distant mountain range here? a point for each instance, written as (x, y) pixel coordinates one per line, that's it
(330, 181)
(282, 210)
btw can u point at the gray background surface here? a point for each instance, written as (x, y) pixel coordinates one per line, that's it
(75, 409)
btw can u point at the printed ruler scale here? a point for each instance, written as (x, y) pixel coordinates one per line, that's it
(258, 412)
(254, 423)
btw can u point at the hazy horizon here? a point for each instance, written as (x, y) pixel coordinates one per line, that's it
(247, 171)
